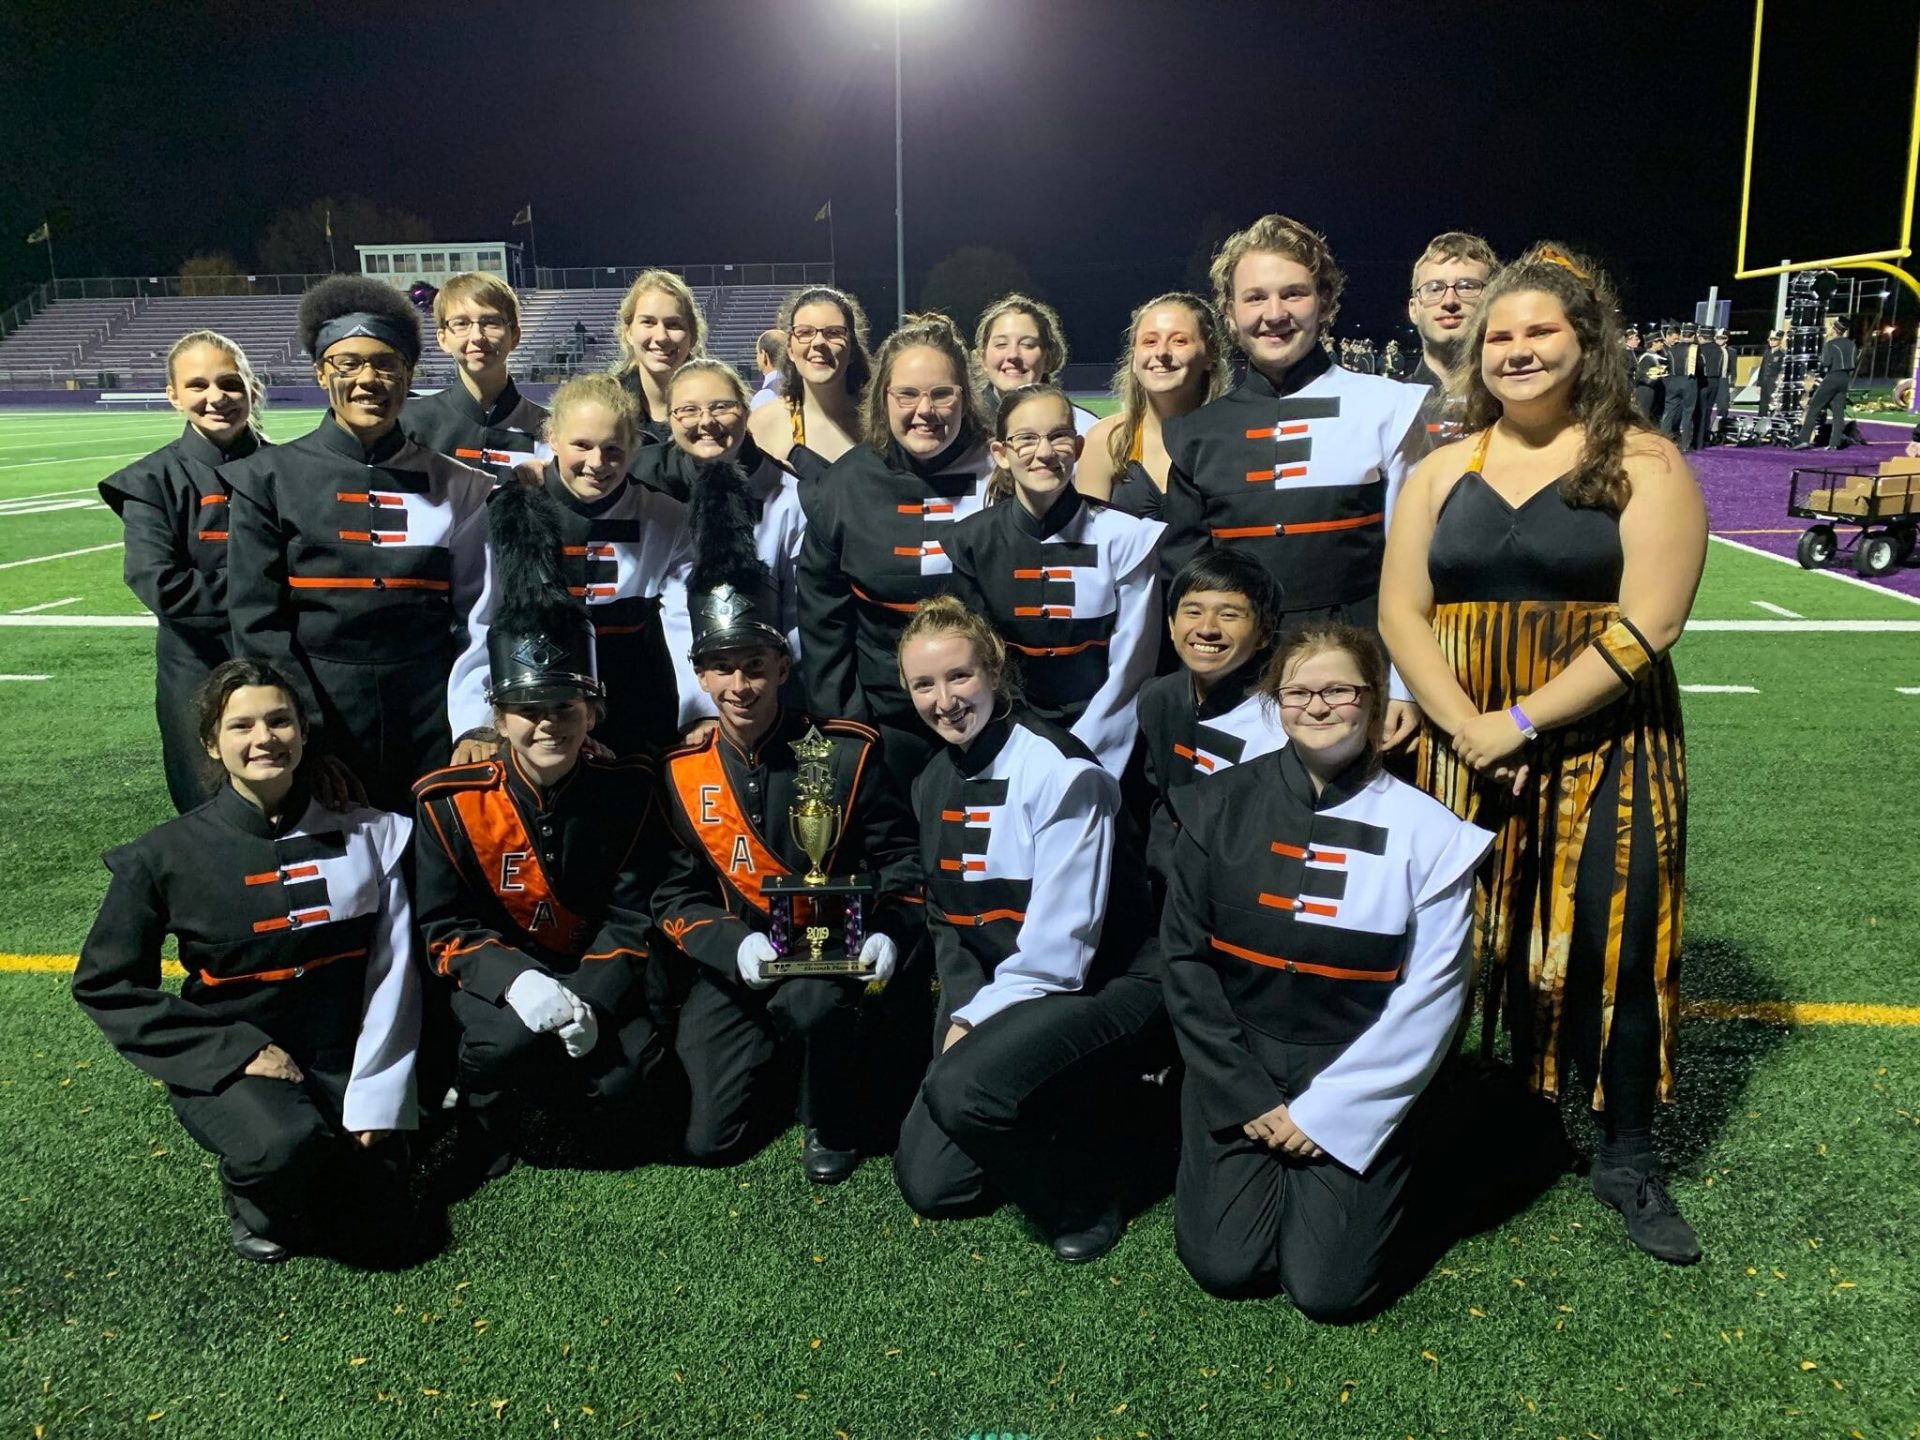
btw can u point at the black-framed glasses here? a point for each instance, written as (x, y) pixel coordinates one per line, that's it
(941, 397)
(346, 367)
(491, 326)
(1433, 291)
(1298, 697)
(1026, 443)
(721, 410)
(807, 334)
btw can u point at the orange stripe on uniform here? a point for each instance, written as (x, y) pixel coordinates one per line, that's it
(1307, 527)
(292, 972)
(1274, 962)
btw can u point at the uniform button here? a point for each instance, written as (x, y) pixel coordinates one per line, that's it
(374, 538)
(1299, 904)
(293, 922)
(298, 971)
(378, 583)
(979, 920)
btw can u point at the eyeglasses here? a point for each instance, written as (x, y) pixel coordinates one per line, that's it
(807, 334)
(1025, 442)
(1298, 697)
(941, 397)
(492, 326)
(722, 410)
(1432, 292)
(346, 367)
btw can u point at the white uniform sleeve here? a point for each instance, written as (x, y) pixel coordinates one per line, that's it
(1407, 451)
(380, 1087)
(1072, 857)
(677, 623)
(786, 566)
(1107, 726)
(1352, 1107)
(467, 707)
(467, 541)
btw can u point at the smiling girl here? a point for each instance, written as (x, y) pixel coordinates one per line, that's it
(822, 377)
(660, 329)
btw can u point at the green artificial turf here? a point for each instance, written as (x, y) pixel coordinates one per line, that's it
(677, 1302)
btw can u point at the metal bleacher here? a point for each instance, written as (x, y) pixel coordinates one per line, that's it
(262, 325)
(60, 337)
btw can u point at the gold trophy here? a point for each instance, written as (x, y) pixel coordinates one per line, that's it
(806, 912)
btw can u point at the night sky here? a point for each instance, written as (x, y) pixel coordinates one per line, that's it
(1091, 138)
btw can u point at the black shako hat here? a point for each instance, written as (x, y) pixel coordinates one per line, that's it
(540, 642)
(732, 599)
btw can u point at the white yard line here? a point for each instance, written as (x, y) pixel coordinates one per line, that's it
(79, 622)
(25, 677)
(1830, 574)
(72, 459)
(48, 605)
(1718, 690)
(1779, 609)
(1806, 627)
(51, 495)
(63, 555)
(1906, 689)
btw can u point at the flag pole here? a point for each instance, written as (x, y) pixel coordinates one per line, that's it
(53, 275)
(833, 259)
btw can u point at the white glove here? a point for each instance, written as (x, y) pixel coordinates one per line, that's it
(582, 1032)
(754, 952)
(879, 954)
(541, 1002)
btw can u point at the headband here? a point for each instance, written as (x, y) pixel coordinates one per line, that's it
(374, 327)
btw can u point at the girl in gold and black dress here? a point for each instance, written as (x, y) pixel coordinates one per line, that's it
(822, 379)
(1537, 574)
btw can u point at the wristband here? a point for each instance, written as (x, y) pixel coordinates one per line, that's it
(1519, 718)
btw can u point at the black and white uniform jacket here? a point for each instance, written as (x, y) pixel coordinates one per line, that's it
(371, 559)
(173, 505)
(626, 556)
(494, 438)
(1187, 740)
(773, 498)
(297, 934)
(1339, 921)
(876, 547)
(1029, 890)
(514, 877)
(728, 812)
(1302, 476)
(1076, 594)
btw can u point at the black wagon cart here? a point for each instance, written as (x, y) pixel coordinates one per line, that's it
(1883, 502)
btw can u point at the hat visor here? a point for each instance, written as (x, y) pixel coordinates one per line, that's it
(548, 690)
(750, 635)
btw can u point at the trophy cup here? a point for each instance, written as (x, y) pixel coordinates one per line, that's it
(817, 919)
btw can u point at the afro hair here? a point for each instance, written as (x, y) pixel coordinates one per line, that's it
(339, 295)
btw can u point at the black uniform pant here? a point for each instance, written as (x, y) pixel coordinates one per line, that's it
(387, 723)
(1767, 387)
(500, 1056)
(182, 661)
(730, 1044)
(1676, 420)
(1709, 400)
(1249, 1221)
(1830, 396)
(286, 1164)
(1029, 1107)
(1645, 399)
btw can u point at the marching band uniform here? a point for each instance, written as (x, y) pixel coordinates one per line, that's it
(173, 506)
(527, 888)
(493, 438)
(1186, 740)
(1043, 939)
(625, 556)
(351, 572)
(727, 810)
(1303, 475)
(1317, 956)
(1649, 384)
(1076, 595)
(296, 933)
(1837, 359)
(874, 549)
(1711, 367)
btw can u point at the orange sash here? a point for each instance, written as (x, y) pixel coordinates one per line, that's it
(734, 847)
(513, 872)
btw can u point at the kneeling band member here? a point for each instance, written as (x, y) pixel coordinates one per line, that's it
(288, 1051)
(1042, 933)
(727, 799)
(1316, 931)
(536, 868)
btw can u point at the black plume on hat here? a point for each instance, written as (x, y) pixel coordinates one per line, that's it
(540, 643)
(730, 592)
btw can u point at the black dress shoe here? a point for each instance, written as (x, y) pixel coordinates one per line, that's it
(1653, 1221)
(1077, 1247)
(257, 1248)
(824, 1164)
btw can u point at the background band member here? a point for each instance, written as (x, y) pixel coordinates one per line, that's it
(1650, 379)
(727, 800)
(1537, 578)
(1711, 364)
(1071, 584)
(661, 328)
(1772, 360)
(1318, 944)
(536, 870)
(288, 1051)
(173, 506)
(1208, 715)
(1049, 972)
(1174, 361)
(1300, 463)
(1837, 359)
(624, 548)
(1683, 387)
(481, 419)
(1448, 280)
(824, 370)
(1020, 341)
(877, 521)
(356, 555)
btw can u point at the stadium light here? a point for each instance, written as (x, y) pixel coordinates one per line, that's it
(899, 183)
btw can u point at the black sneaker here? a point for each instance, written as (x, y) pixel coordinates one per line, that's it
(824, 1164)
(1653, 1221)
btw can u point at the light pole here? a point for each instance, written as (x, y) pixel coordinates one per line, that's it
(899, 184)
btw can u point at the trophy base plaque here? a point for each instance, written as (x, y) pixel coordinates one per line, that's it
(822, 933)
